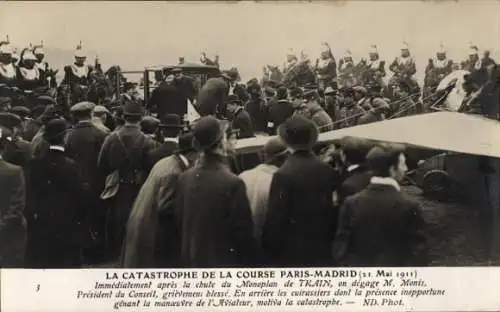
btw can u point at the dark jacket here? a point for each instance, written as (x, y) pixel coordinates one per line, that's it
(168, 98)
(216, 225)
(55, 211)
(257, 110)
(381, 227)
(163, 150)
(19, 152)
(83, 145)
(354, 182)
(300, 221)
(213, 94)
(243, 123)
(12, 222)
(279, 111)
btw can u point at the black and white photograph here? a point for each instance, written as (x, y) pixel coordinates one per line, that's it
(249, 134)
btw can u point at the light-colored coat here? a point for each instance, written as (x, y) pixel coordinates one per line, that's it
(258, 183)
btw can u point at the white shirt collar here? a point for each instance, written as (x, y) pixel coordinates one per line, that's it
(57, 148)
(385, 181)
(352, 167)
(175, 140)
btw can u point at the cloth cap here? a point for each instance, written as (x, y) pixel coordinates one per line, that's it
(207, 132)
(234, 99)
(80, 53)
(299, 133)
(38, 50)
(149, 124)
(275, 147)
(10, 120)
(21, 111)
(82, 107)
(46, 99)
(99, 109)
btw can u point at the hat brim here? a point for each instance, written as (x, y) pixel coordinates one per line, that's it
(173, 126)
(311, 141)
(203, 147)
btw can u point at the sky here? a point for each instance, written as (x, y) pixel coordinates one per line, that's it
(249, 35)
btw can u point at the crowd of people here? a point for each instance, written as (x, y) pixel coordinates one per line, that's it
(95, 183)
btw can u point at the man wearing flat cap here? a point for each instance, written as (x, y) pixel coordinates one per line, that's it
(215, 225)
(299, 226)
(153, 238)
(83, 145)
(100, 119)
(13, 225)
(170, 128)
(258, 182)
(395, 237)
(18, 151)
(212, 98)
(57, 205)
(150, 126)
(123, 159)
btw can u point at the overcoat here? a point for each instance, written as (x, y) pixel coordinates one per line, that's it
(152, 238)
(382, 228)
(215, 224)
(300, 223)
(55, 212)
(12, 222)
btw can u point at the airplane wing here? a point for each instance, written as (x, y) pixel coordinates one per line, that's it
(448, 131)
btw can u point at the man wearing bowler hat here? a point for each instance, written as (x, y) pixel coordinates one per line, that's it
(57, 205)
(170, 127)
(216, 224)
(299, 227)
(123, 154)
(152, 238)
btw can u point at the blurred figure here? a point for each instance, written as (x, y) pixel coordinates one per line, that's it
(57, 203)
(100, 119)
(170, 128)
(12, 205)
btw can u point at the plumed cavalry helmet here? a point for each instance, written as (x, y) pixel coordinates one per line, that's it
(28, 55)
(79, 53)
(405, 46)
(5, 47)
(348, 55)
(38, 49)
(373, 50)
(473, 50)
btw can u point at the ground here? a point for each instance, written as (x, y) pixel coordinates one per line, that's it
(456, 236)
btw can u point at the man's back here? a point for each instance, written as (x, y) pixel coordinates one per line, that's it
(216, 223)
(384, 226)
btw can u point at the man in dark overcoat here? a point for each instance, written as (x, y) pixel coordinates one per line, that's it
(152, 238)
(212, 98)
(216, 224)
(299, 227)
(380, 226)
(56, 205)
(12, 204)
(124, 160)
(280, 110)
(83, 145)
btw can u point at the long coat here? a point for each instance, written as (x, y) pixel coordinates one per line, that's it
(130, 157)
(12, 222)
(213, 94)
(152, 238)
(163, 150)
(83, 145)
(279, 111)
(55, 212)
(168, 98)
(354, 182)
(300, 223)
(216, 225)
(382, 228)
